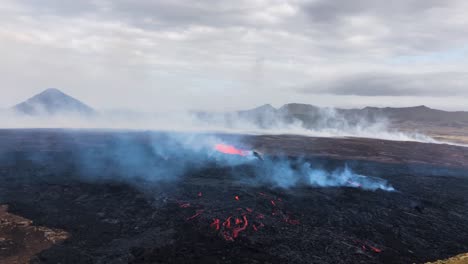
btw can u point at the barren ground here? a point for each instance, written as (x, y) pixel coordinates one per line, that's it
(56, 214)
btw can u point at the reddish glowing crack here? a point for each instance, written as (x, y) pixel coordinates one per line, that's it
(199, 212)
(366, 246)
(227, 223)
(215, 224)
(236, 231)
(376, 250)
(184, 205)
(230, 230)
(291, 221)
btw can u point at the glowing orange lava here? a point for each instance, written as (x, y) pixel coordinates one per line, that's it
(236, 231)
(215, 223)
(227, 149)
(376, 250)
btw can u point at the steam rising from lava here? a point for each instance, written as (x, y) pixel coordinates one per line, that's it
(325, 123)
(287, 173)
(142, 158)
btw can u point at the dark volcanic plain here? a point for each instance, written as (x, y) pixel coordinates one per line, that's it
(111, 219)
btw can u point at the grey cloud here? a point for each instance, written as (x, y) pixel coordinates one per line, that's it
(59, 7)
(155, 14)
(385, 84)
(169, 13)
(393, 27)
(328, 11)
(242, 49)
(397, 27)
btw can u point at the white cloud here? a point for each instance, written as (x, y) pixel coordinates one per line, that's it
(223, 54)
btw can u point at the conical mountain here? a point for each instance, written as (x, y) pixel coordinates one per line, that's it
(52, 102)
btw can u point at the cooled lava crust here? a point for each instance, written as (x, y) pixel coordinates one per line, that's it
(208, 216)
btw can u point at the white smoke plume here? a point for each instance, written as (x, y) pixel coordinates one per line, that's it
(326, 123)
(142, 158)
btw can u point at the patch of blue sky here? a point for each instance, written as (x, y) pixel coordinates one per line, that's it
(451, 55)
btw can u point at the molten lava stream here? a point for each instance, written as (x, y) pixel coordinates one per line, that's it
(227, 149)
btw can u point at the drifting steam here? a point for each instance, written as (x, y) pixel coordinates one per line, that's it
(145, 158)
(171, 156)
(54, 109)
(287, 173)
(322, 122)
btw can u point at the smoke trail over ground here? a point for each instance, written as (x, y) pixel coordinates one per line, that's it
(311, 121)
(142, 158)
(168, 157)
(285, 173)
(323, 122)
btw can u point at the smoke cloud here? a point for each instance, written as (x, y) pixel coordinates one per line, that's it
(142, 159)
(285, 173)
(322, 122)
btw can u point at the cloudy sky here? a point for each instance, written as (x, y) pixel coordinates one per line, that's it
(222, 55)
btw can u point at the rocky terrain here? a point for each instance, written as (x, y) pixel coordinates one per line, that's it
(20, 240)
(207, 215)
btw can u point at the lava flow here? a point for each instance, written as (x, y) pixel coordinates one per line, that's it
(228, 149)
(241, 220)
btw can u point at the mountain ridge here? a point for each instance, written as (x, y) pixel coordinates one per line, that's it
(420, 118)
(52, 101)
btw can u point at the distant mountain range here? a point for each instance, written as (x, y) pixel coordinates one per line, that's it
(441, 125)
(53, 102)
(310, 115)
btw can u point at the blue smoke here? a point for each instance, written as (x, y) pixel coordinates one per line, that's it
(145, 158)
(287, 173)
